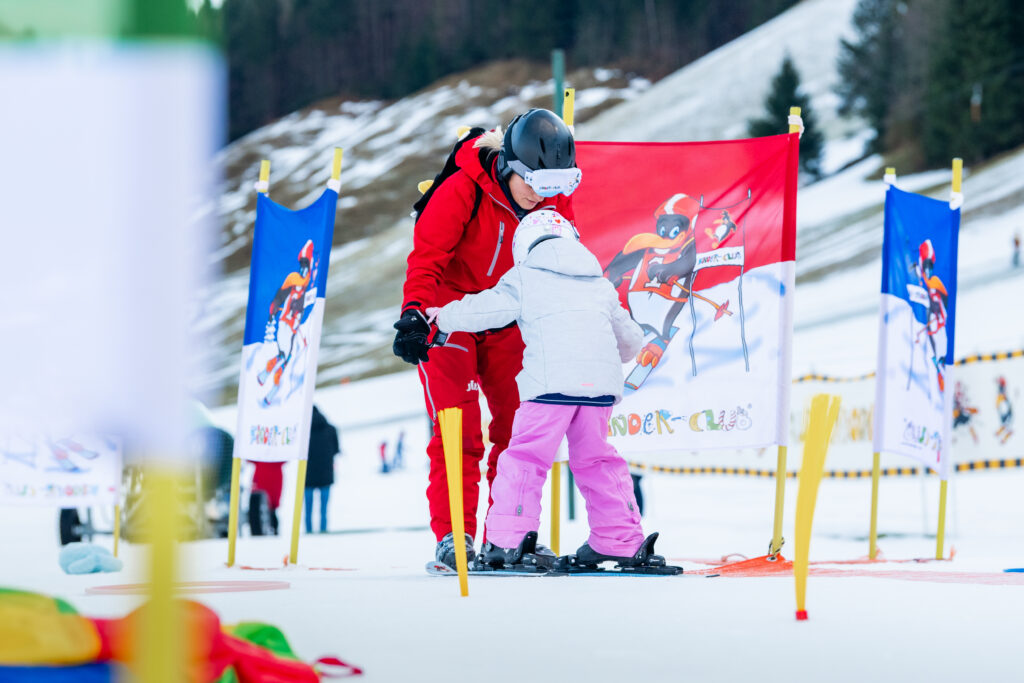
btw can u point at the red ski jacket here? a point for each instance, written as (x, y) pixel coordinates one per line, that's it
(453, 255)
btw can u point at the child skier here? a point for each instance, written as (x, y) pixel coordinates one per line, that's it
(577, 336)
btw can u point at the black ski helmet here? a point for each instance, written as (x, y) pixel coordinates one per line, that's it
(539, 139)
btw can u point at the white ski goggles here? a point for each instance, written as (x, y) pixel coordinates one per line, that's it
(547, 182)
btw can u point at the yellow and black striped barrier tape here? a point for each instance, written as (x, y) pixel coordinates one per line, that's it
(966, 360)
(832, 474)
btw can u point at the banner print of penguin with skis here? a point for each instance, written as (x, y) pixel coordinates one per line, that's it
(291, 253)
(699, 239)
(915, 391)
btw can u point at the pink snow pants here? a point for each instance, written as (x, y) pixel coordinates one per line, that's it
(601, 474)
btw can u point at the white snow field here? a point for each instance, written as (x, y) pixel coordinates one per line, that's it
(399, 624)
(956, 620)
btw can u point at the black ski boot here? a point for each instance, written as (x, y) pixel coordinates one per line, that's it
(526, 557)
(445, 551)
(644, 561)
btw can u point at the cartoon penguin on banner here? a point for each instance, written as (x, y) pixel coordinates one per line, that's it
(663, 264)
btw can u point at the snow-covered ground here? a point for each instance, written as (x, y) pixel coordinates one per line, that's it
(399, 624)
(942, 621)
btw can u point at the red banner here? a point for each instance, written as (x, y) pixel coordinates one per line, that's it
(730, 184)
(712, 225)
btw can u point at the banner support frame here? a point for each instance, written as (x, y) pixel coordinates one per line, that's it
(780, 496)
(876, 473)
(236, 468)
(117, 526)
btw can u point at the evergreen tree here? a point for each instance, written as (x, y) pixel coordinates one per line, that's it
(867, 67)
(785, 93)
(975, 97)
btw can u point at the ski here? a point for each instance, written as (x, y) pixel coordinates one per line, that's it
(644, 563)
(436, 568)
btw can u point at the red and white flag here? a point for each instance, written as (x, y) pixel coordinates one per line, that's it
(699, 239)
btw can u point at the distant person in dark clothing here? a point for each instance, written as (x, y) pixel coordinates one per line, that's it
(323, 446)
(1016, 250)
(217, 449)
(265, 498)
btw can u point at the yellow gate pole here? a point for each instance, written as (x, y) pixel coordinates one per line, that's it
(780, 496)
(117, 526)
(262, 187)
(300, 492)
(336, 164)
(824, 411)
(300, 481)
(556, 504)
(236, 468)
(876, 472)
(780, 465)
(450, 420)
(940, 536)
(569, 107)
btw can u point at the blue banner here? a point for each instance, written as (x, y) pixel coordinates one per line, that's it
(919, 255)
(290, 258)
(916, 328)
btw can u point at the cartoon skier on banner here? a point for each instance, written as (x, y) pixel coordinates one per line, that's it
(663, 264)
(1004, 409)
(963, 413)
(286, 316)
(935, 297)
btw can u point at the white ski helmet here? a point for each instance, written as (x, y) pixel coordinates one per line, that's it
(537, 227)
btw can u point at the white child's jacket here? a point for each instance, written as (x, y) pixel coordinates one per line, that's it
(577, 334)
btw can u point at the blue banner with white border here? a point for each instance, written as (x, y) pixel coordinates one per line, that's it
(290, 258)
(916, 328)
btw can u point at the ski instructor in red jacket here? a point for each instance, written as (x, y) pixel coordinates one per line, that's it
(462, 245)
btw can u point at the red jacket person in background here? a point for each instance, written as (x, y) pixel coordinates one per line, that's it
(463, 244)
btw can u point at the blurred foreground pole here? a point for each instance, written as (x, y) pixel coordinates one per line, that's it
(112, 115)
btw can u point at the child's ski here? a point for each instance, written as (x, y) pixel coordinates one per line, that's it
(436, 568)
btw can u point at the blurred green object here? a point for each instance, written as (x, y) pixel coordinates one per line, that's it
(26, 20)
(258, 633)
(15, 594)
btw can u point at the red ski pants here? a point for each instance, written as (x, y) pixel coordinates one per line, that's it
(454, 377)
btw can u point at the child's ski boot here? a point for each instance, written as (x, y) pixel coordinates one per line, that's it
(527, 557)
(588, 560)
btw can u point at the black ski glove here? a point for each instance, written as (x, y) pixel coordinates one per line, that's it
(411, 341)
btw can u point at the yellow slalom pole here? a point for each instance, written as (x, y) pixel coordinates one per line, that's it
(940, 537)
(556, 507)
(300, 492)
(117, 526)
(824, 411)
(162, 641)
(958, 174)
(236, 468)
(876, 472)
(450, 420)
(336, 164)
(264, 177)
(794, 111)
(569, 106)
(780, 497)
